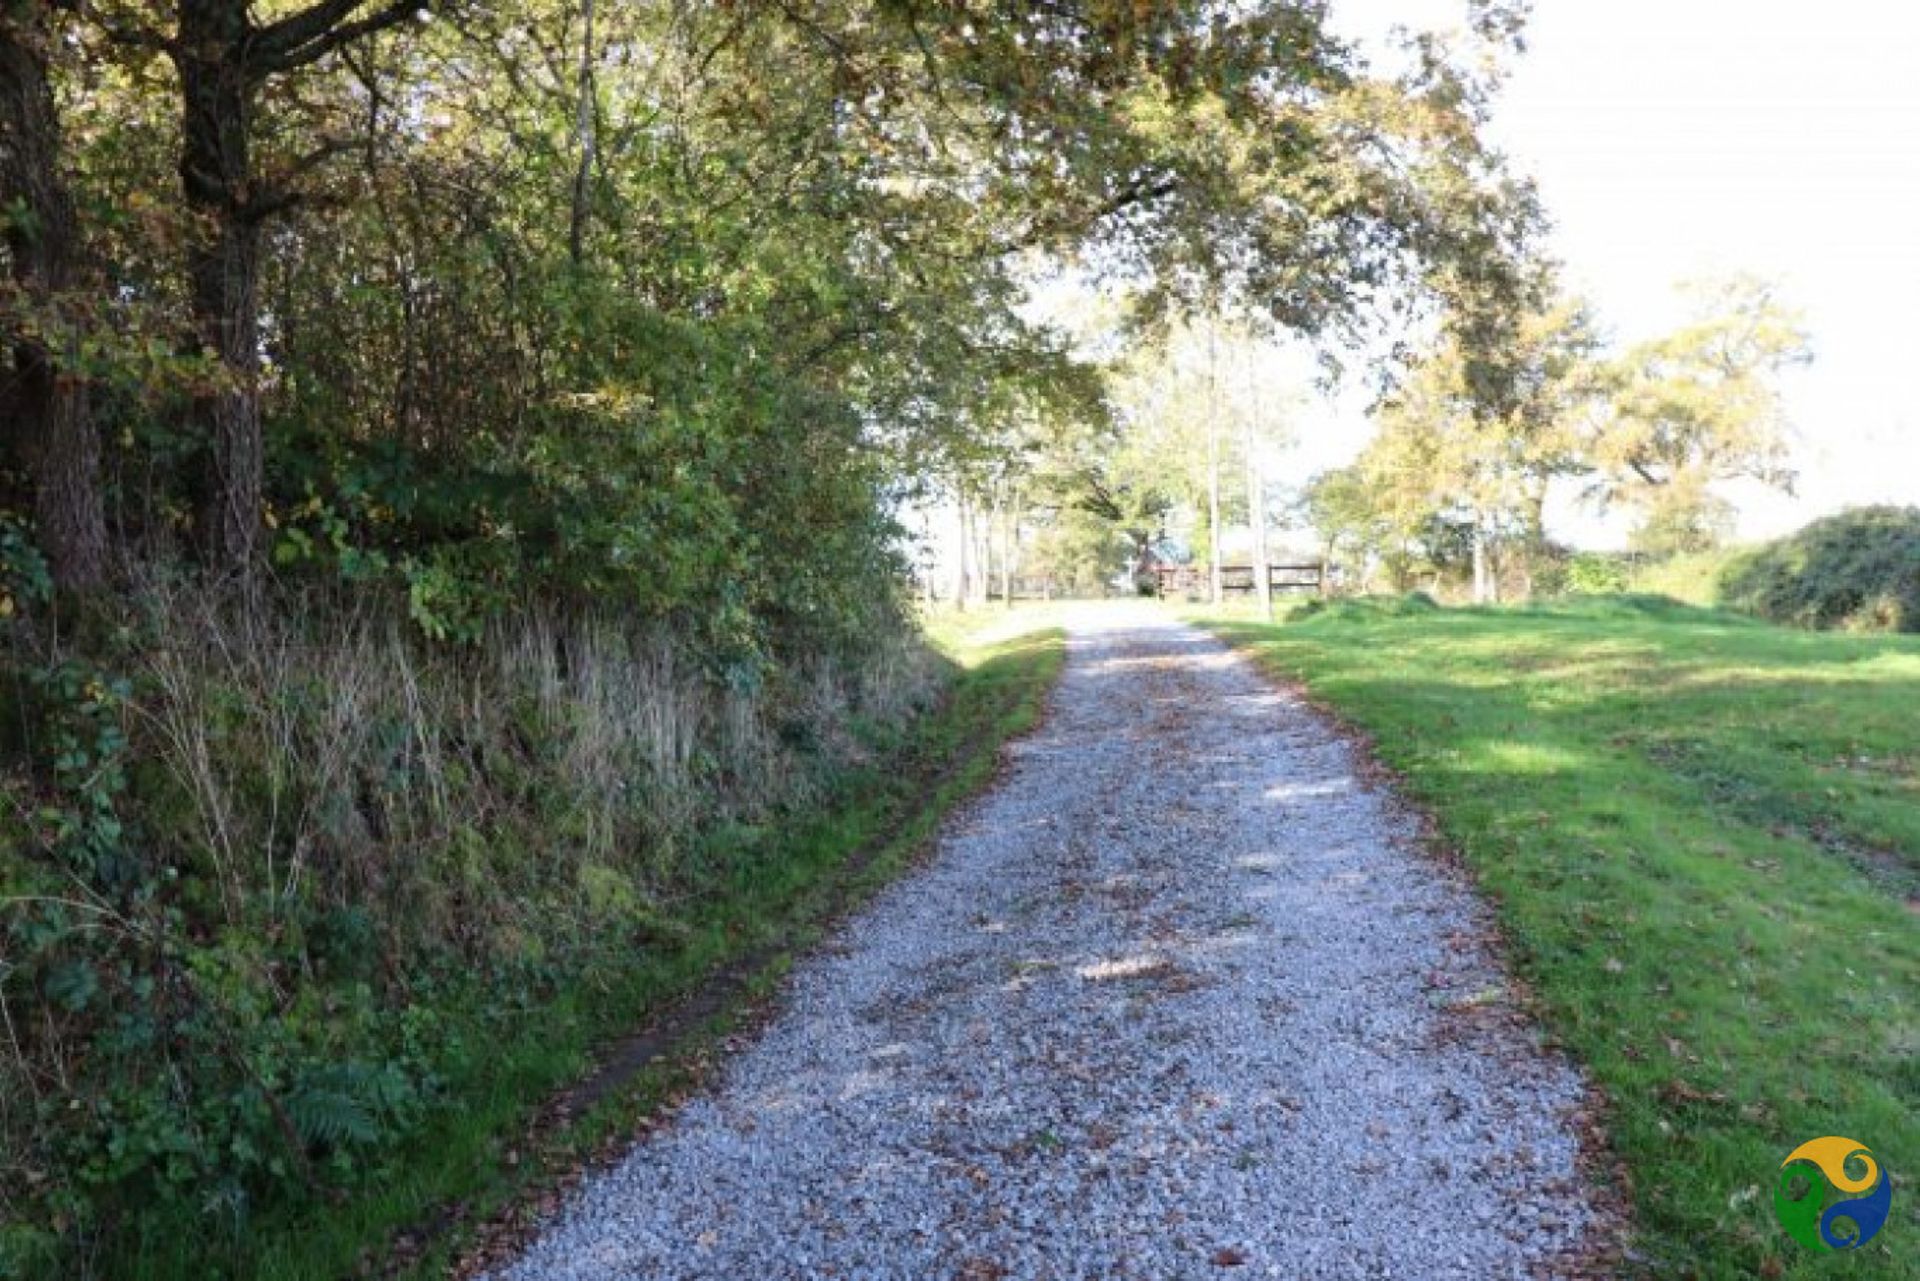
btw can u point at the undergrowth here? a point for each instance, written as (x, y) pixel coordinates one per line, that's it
(282, 886)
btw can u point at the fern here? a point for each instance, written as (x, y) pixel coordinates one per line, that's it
(329, 1108)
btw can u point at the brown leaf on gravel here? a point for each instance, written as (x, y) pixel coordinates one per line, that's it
(1227, 1257)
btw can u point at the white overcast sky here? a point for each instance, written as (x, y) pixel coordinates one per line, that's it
(1676, 138)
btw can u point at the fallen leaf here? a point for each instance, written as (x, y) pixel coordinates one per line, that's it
(1678, 1091)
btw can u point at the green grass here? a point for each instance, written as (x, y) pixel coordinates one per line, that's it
(771, 897)
(1703, 836)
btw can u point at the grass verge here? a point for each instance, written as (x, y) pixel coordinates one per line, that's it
(513, 1135)
(1703, 837)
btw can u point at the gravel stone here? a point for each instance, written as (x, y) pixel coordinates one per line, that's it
(1174, 999)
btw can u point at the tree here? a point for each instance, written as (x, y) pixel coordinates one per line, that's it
(1436, 458)
(1191, 403)
(1484, 451)
(586, 125)
(225, 61)
(56, 434)
(1699, 407)
(1341, 510)
(1259, 433)
(1177, 432)
(1078, 550)
(1096, 506)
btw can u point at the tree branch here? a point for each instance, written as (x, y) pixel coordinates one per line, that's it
(311, 34)
(1044, 229)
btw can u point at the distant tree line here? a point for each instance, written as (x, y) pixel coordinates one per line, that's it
(1454, 478)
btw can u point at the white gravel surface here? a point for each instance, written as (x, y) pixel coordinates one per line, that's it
(1179, 997)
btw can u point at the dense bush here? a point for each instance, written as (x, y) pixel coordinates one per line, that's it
(1858, 570)
(1595, 573)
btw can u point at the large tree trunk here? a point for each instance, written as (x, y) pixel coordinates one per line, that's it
(61, 446)
(216, 171)
(226, 312)
(55, 436)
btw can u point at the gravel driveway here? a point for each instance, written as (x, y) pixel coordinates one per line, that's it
(1179, 997)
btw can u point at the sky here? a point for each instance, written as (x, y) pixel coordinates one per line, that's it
(1675, 139)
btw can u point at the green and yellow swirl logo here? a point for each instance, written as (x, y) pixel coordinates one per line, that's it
(1832, 1194)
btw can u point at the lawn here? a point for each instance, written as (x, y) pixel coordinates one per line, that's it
(1703, 837)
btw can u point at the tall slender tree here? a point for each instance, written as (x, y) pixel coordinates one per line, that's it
(586, 132)
(1257, 490)
(1214, 586)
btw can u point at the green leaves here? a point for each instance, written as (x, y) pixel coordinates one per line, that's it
(342, 1105)
(72, 985)
(1698, 406)
(24, 579)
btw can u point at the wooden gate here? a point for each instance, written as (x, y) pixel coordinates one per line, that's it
(1190, 581)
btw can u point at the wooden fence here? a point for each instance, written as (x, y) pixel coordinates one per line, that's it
(1191, 581)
